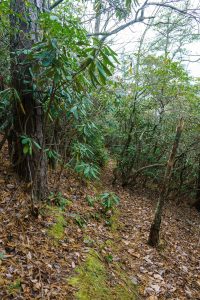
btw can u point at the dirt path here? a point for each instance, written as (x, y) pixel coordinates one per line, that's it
(35, 264)
(172, 271)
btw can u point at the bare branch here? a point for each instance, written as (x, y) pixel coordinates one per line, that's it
(187, 12)
(183, 12)
(55, 4)
(148, 167)
(120, 28)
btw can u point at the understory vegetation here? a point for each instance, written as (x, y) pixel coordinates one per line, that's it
(73, 105)
(91, 117)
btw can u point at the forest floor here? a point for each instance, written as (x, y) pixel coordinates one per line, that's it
(82, 253)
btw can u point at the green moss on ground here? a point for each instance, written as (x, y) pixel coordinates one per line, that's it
(57, 230)
(126, 290)
(92, 281)
(114, 220)
(14, 287)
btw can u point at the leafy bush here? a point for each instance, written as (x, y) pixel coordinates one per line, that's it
(89, 171)
(109, 200)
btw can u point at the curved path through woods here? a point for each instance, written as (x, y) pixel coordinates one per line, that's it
(35, 264)
(172, 271)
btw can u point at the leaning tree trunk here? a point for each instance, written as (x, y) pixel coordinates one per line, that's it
(155, 227)
(27, 112)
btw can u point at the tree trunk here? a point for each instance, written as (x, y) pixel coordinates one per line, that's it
(197, 202)
(27, 113)
(155, 227)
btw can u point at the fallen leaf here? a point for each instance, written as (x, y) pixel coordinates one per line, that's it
(157, 276)
(152, 297)
(155, 287)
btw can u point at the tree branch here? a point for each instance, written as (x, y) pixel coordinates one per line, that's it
(180, 11)
(55, 4)
(120, 28)
(141, 18)
(148, 167)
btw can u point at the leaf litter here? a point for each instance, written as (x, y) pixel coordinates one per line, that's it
(36, 265)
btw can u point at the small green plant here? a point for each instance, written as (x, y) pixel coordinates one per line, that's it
(2, 255)
(80, 221)
(109, 258)
(109, 200)
(59, 200)
(53, 156)
(28, 144)
(88, 170)
(96, 216)
(91, 200)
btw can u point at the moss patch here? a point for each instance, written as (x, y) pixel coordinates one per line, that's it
(92, 281)
(58, 228)
(125, 290)
(114, 220)
(14, 287)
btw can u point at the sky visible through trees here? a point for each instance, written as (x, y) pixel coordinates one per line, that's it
(99, 149)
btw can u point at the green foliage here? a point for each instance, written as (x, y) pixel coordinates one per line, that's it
(28, 144)
(109, 258)
(91, 200)
(52, 154)
(5, 107)
(99, 68)
(2, 255)
(4, 41)
(80, 221)
(58, 200)
(109, 200)
(88, 113)
(88, 150)
(89, 171)
(64, 65)
(68, 71)
(141, 117)
(8, 98)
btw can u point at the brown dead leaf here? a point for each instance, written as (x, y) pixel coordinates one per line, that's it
(152, 297)
(157, 276)
(133, 253)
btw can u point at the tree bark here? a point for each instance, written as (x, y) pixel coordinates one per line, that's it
(155, 227)
(28, 112)
(197, 202)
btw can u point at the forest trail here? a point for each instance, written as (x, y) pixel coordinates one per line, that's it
(172, 272)
(39, 255)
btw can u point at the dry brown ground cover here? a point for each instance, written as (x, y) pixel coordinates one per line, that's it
(35, 264)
